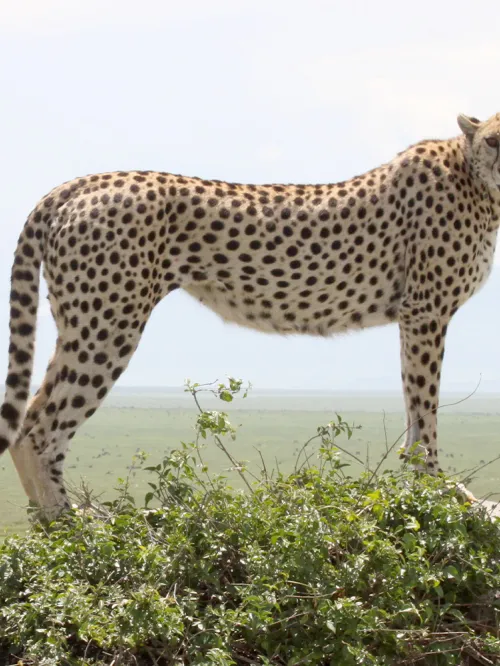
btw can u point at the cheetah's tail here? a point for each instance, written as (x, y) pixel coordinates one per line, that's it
(24, 296)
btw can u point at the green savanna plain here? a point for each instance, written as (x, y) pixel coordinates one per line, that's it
(271, 424)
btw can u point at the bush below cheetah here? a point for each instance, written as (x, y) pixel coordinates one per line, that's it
(408, 242)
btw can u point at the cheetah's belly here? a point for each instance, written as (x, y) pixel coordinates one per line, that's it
(286, 317)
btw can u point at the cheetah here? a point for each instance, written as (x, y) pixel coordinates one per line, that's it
(408, 242)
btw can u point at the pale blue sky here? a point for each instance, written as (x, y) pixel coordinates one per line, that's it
(257, 91)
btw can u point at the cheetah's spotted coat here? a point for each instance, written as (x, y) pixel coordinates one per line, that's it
(408, 242)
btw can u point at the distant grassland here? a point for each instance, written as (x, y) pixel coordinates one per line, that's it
(274, 424)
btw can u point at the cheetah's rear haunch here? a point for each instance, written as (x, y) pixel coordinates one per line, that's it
(409, 242)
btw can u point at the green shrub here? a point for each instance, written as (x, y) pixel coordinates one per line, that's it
(314, 568)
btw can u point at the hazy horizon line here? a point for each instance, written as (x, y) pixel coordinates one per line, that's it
(160, 388)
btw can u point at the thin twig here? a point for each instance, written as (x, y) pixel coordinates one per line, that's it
(221, 445)
(301, 451)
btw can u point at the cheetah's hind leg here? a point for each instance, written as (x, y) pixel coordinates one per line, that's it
(21, 451)
(82, 382)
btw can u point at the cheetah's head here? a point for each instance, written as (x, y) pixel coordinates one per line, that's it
(482, 141)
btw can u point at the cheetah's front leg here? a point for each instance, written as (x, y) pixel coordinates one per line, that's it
(422, 350)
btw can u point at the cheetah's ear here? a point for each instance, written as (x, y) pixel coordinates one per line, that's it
(468, 125)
